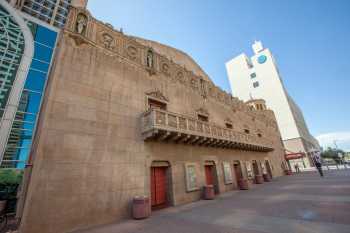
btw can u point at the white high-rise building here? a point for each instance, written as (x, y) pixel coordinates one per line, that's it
(258, 77)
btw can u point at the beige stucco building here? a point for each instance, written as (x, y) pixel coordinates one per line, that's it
(125, 116)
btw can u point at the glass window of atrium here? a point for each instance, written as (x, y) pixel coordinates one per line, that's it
(21, 135)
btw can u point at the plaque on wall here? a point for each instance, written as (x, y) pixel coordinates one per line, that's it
(227, 173)
(263, 168)
(249, 170)
(191, 177)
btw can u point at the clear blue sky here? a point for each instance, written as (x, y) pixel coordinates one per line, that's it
(310, 41)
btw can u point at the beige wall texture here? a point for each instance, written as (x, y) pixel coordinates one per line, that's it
(89, 157)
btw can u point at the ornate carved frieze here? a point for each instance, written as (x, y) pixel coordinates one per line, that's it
(81, 23)
(158, 95)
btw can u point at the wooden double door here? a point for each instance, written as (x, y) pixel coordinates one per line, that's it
(159, 187)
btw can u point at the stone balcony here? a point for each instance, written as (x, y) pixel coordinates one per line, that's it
(166, 126)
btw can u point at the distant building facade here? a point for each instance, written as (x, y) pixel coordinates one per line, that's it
(22, 88)
(259, 77)
(124, 117)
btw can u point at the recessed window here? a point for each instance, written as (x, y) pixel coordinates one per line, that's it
(259, 135)
(253, 75)
(255, 84)
(229, 126)
(246, 131)
(156, 104)
(202, 118)
(249, 63)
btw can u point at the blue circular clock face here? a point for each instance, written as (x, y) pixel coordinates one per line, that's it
(262, 59)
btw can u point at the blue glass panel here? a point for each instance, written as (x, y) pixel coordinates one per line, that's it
(33, 103)
(30, 117)
(45, 36)
(39, 66)
(42, 52)
(23, 153)
(35, 80)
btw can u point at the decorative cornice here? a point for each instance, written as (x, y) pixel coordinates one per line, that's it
(158, 95)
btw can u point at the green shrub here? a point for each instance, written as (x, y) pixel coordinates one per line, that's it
(9, 181)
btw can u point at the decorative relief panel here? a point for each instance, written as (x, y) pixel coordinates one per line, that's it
(180, 77)
(158, 95)
(132, 51)
(165, 67)
(107, 41)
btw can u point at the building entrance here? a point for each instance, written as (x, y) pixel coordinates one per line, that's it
(159, 187)
(237, 171)
(268, 168)
(210, 175)
(255, 168)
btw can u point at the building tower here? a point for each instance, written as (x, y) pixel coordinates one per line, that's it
(258, 77)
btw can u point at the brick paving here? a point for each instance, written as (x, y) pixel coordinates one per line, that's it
(302, 203)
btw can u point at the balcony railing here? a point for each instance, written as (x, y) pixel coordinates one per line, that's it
(167, 126)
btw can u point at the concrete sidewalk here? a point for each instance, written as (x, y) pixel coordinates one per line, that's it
(292, 204)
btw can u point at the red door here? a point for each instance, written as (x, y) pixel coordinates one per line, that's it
(158, 186)
(255, 168)
(238, 172)
(209, 174)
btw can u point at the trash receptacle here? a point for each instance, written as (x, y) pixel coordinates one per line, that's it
(259, 179)
(208, 191)
(243, 184)
(141, 207)
(267, 177)
(288, 172)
